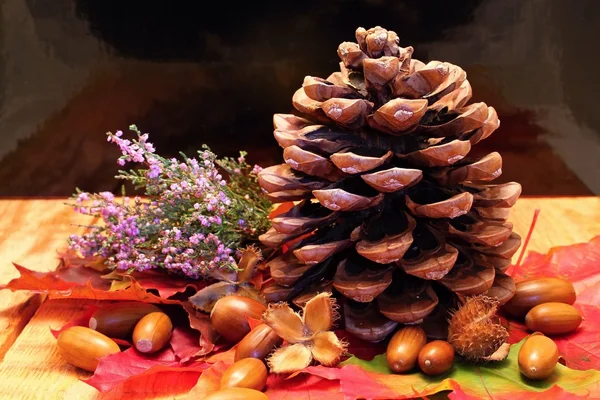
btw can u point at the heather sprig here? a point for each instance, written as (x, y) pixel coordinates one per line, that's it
(191, 219)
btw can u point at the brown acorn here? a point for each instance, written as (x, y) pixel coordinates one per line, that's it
(535, 291)
(258, 343)
(538, 357)
(404, 347)
(81, 347)
(250, 373)
(152, 332)
(236, 393)
(436, 357)
(553, 318)
(230, 313)
(118, 320)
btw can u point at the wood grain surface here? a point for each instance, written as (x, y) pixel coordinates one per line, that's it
(31, 233)
(31, 230)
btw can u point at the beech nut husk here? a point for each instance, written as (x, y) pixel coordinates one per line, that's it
(404, 347)
(236, 393)
(250, 373)
(538, 357)
(81, 347)
(535, 291)
(553, 318)
(258, 343)
(436, 357)
(119, 319)
(152, 332)
(230, 313)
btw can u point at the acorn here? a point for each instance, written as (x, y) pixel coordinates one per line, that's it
(436, 357)
(404, 347)
(538, 357)
(258, 343)
(152, 332)
(229, 316)
(119, 319)
(535, 291)
(553, 318)
(249, 373)
(236, 394)
(82, 347)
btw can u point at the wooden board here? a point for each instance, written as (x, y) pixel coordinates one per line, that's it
(562, 221)
(31, 232)
(32, 368)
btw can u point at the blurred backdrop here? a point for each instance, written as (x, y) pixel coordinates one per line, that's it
(189, 74)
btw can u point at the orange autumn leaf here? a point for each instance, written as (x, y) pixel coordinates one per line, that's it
(79, 282)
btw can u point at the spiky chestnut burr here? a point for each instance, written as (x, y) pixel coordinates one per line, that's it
(473, 330)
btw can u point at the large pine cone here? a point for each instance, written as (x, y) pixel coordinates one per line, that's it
(391, 212)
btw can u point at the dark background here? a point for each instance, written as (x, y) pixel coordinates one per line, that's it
(189, 74)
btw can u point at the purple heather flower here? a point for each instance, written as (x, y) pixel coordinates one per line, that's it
(154, 171)
(256, 169)
(82, 197)
(108, 196)
(176, 229)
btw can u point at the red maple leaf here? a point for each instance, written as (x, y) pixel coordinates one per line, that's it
(579, 264)
(132, 372)
(185, 343)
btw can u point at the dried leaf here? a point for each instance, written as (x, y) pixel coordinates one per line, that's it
(251, 256)
(201, 323)
(206, 298)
